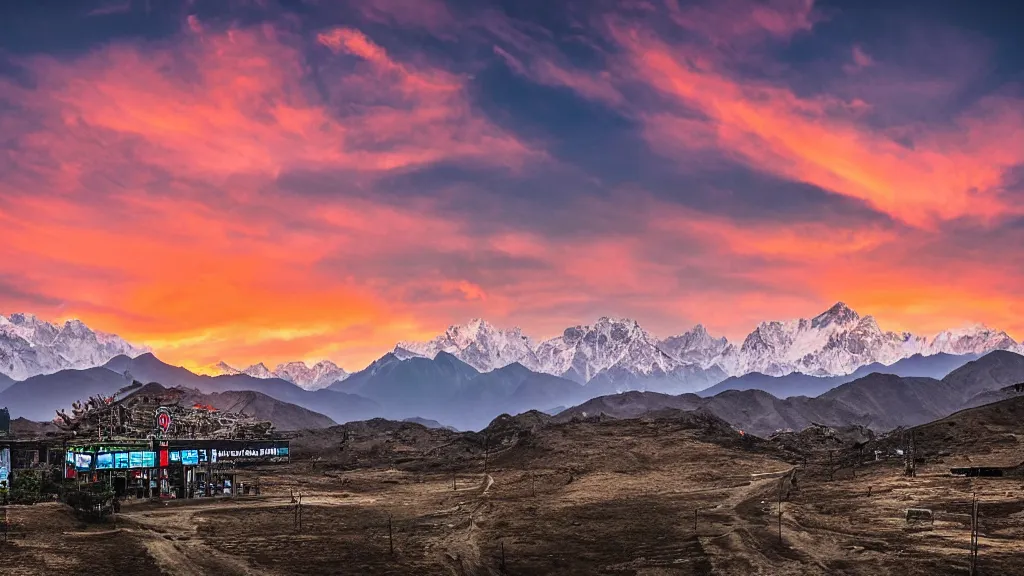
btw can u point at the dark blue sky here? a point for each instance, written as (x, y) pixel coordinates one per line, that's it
(295, 171)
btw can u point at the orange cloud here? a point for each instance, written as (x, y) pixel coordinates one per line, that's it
(248, 195)
(948, 173)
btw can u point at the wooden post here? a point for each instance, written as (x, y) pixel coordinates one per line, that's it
(974, 536)
(391, 539)
(781, 483)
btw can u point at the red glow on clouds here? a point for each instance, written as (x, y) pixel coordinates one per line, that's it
(149, 193)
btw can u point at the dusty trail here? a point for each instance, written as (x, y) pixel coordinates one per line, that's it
(171, 535)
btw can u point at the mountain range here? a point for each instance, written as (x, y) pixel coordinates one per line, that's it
(796, 384)
(877, 401)
(315, 377)
(30, 346)
(616, 353)
(447, 390)
(613, 354)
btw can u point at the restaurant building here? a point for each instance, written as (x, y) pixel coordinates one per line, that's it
(148, 441)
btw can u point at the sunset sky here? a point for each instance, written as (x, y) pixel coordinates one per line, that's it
(269, 181)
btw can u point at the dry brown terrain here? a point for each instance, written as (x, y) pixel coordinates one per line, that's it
(598, 497)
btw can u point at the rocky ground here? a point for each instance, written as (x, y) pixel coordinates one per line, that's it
(590, 497)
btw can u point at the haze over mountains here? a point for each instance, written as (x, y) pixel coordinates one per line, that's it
(619, 354)
(474, 372)
(877, 401)
(451, 392)
(614, 353)
(315, 377)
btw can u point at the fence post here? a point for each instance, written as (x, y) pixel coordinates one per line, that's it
(781, 484)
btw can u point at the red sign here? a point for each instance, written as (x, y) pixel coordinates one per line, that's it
(163, 459)
(163, 420)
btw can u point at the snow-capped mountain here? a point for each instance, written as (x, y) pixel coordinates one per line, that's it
(258, 371)
(30, 346)
(695, 346)
(479, 344)
(615, 352)
(320, 375)
(581, 352)
(971, 339)
(838, 341)
(834, 343)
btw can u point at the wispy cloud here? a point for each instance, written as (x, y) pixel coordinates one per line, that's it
(271, 188)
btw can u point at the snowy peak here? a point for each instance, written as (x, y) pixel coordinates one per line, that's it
(258, 371)
(695, 346)
(971, 339)
(30, 346)
(403, 353)
(320, 375)
(582, 352)
(222, 368)
(479, 344)
(839, 314)
(839, 341)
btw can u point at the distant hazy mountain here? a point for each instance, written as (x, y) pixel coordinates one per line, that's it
(5, 382)
(39, 397)
(878, 401)
(30, 346)
(316, 377)
(429, 423)
(797, 384)
(449, 390)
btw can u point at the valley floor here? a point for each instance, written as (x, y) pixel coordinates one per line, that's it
(581, 498)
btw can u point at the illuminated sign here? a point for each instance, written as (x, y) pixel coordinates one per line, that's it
(190, 457)
(121, 460)
(104, 461)
(175, 457)
(163, 419)
(270, 454)
(83, 461)
(5, 463)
